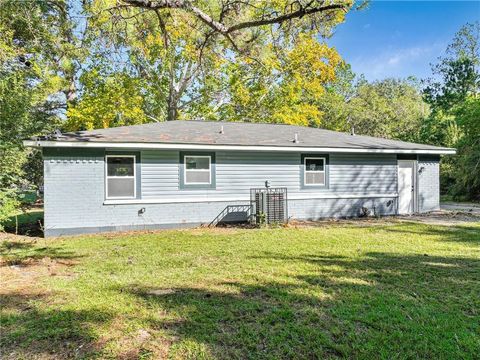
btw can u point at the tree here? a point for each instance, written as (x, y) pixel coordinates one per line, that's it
(186, 45)
(453, 95)
(285, 89)
(107, 101)
(468, 171)
(35, 84)
(459, 80)
(335, 103)
(389, 108)
(27, 83)
(456, 76)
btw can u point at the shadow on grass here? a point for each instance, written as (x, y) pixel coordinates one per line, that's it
(379, 306)
(28, 331)
(257, 322)
(25, 253)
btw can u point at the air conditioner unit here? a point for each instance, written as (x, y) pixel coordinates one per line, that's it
(269, 205)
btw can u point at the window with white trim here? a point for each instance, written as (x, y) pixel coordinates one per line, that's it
(314, 171)
(120, 177)
(197, 169)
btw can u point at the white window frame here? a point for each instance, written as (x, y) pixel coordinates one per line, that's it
(197, 170)
(107, 177)
(305, 171)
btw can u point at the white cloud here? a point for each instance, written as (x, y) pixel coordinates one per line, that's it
(397, 62)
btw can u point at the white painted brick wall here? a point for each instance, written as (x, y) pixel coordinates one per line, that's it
(428, 186)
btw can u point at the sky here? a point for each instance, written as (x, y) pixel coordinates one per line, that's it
(400, 38)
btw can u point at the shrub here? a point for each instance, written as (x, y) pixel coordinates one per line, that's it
(8, 205)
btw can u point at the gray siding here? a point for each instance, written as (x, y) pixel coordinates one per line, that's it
(237, 172)
(314, 209)
(428, 184)
(75, 189)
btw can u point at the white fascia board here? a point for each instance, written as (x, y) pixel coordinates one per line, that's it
(127, 145)
(243, 198)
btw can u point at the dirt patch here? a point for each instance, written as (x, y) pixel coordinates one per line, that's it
(160, 292)
(444, 218)
(143, 343)
(24, 300)
(441, 217)
(5, 236)
(29, 275)
(353, 221)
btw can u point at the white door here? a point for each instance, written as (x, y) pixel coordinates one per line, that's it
(406, 186)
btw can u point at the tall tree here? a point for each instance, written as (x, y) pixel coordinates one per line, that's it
(390, 108)
(107, 101)
(186, 44)
(454, 95)
(287, 87)
(457, 74)
(31, 79)
(468, 162)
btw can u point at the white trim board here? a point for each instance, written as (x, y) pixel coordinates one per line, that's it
(130, 145)
(244, 198)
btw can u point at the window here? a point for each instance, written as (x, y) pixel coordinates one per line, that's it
(314, 171)
(120, 177)
(197, 169)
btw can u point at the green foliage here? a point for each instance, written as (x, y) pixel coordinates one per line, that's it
(460, 78)
(286, 89)
(191, 71)
(388, 108)
(111, 101)
(35, 63)
(454, 98)
(468, 162)
(8, 205)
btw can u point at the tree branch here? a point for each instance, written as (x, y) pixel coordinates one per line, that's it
(182, 5)
(163, 28)
(217, 26)
(282, 18)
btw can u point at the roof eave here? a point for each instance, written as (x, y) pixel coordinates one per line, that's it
(180, 146)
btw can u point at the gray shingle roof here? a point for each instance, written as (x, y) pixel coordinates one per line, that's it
(234, 133)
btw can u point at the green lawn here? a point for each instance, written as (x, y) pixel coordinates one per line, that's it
(334, 291)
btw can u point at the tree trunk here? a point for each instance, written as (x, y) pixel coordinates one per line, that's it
(71, 92)
(172, 111)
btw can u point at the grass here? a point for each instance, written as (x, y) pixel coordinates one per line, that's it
(389, 291)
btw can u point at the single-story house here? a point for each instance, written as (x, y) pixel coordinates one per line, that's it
(185, 173)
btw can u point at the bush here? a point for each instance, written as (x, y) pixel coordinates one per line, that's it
(8, 205)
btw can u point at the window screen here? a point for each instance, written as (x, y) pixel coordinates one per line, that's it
(314, 171)
(314, 164)
(120, 176)
(120, 166)
(314, 178)
(197, 169)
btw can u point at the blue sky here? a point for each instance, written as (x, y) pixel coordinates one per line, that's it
(400, 38)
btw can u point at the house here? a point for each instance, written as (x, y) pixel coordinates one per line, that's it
(185, 173)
